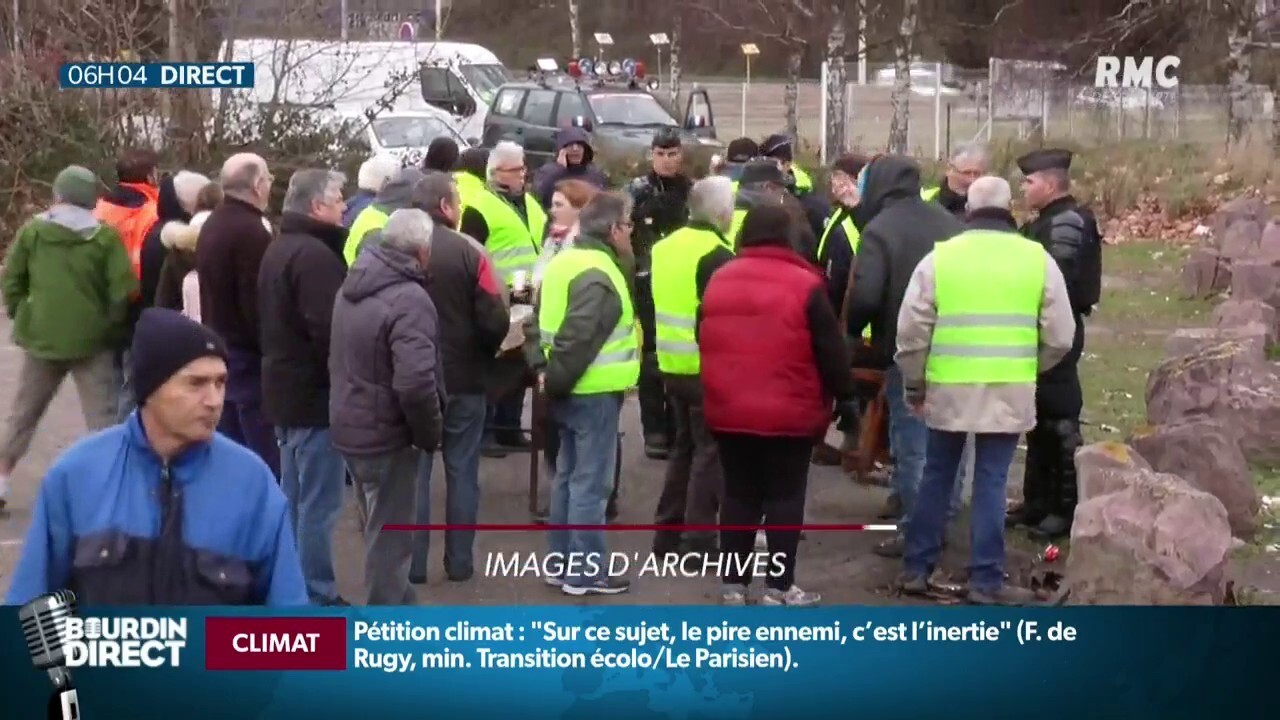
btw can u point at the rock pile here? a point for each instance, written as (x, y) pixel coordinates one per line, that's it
(1157, 515)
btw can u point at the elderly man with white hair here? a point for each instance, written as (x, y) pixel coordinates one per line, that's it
(229, 252)
(968, 163)
(683, 263)
(374, 174)
(984, 313)
(387, 392)
(510, 223)
(300, 276)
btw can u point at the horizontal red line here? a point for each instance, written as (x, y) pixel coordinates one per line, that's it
(533, 527)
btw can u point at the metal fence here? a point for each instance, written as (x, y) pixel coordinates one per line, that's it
(972, 106)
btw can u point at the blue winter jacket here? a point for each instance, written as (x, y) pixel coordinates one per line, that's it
(117, 526)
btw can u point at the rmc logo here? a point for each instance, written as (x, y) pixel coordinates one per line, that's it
(1130, 72)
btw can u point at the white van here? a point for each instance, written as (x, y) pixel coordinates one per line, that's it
(399, 76)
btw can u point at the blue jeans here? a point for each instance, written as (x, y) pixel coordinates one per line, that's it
(908, 437)
(503, 418)
(993, 455)
(313, 477)
(242, 418)
(463, 432)
(584, 480)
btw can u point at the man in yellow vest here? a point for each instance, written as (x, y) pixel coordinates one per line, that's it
(510, 223)
(470, 173)
(590, 356)
(968, 163)
(397, 194)
(683, 263)
(983, 314)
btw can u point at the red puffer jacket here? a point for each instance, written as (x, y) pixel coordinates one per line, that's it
(758, 369)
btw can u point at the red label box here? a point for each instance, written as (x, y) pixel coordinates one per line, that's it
(297, 643)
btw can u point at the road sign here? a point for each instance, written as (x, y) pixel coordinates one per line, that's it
(407, 31)
(750, 49)
(604, 39)
(659, 39)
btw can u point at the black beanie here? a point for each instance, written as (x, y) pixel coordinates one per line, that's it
(442, 155)
(164, 342)
(766, 225)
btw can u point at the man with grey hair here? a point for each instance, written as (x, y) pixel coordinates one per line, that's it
(394, 195)
(968, 163)
(983, 314)
(229, 253)
(299, 278)
(510, 223)
(374, 174)
(588, 356)
(388, 392)
(683, 263)
(471, 304)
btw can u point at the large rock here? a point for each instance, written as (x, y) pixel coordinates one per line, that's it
(1157, 541)
(1256, 280)
(1205, 274)
(1105, 467)
(1229, 381)
(1190, 341)
(1239, 313)
(1205, 453)
(1234, 211)
(1242, 239)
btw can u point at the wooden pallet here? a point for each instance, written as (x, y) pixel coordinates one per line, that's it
(871, 447)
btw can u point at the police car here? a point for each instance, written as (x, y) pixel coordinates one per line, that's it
(613, 101)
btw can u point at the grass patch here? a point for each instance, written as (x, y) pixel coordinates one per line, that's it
(1124, 339)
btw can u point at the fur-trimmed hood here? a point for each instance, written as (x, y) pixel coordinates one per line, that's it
(176, 235)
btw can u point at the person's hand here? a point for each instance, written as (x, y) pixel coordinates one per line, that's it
(542, 383)
(562, 158)
(916, 405)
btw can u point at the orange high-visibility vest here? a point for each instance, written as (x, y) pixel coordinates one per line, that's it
(132, 223)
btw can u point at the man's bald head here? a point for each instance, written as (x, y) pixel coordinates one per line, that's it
(990, 191)
(245, 175)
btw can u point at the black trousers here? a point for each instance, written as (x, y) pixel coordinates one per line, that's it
(1049, 484)
(764, 478)
(657, 419)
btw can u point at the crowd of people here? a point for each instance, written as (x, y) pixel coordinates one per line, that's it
(237, 373)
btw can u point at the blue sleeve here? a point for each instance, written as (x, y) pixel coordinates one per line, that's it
(281, 582)
(45, 563)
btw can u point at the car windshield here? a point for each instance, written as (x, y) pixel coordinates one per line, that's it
(486, 79)
(630, 109)
(410, 131)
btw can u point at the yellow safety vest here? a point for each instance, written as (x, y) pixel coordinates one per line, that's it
(928, 194)
(371, 218)
(739, 214)
(468, 187)
(674, 276)
(989, 288)
(855, 238)
(804, 183)
(513, 245)
(616, 368)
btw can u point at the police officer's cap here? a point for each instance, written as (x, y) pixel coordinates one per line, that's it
(742, 150)
(777, 146)
(666, 140)
(762, 171)
(1047, 159)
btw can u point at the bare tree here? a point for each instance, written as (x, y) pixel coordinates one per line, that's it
(837, 81)
(676, 31)
(900, 100)
(575, 28)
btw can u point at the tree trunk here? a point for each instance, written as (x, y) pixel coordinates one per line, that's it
(675, 58)
(901, 97)
(1239, 71)
(575, 29)
(791, 95)
(837, 79)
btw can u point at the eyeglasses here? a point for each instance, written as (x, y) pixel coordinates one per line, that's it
(519, 169)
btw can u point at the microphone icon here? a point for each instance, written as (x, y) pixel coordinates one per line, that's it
(44, 624)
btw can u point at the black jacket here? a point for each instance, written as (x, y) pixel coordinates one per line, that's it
(711, 262)
(1067, 231)
(837, 255)
(298, 281)
(803, 240)
(901, 229)
(228, 256)
(992, 219)
(660, 206)
(952, 201)
(470, 301)
(154, 252)
(544, 181)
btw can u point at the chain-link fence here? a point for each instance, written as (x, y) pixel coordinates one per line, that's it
(1026, 101)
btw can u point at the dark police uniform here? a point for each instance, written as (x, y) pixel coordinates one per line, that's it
(1069, 232)
(660, 207)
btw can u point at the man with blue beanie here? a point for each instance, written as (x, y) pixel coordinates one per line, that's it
(161, 509)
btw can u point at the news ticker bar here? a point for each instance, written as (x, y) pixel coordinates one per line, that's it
(120, 76)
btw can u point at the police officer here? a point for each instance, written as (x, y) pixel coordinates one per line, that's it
(1070, 234)
(660, 206)
(683, 263)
